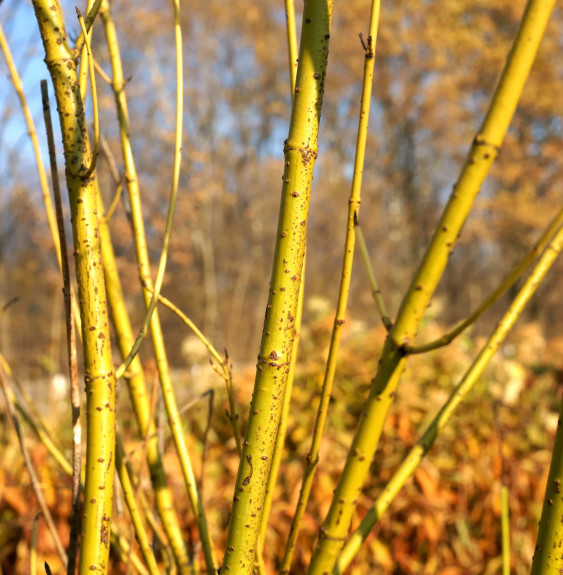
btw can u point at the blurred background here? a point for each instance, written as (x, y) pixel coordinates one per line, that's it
(437, 66)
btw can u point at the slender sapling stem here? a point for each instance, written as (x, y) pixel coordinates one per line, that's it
(392, 361)
(424, 444)
(341, 307)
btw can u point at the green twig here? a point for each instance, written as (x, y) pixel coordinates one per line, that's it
(169, 519)
(28, 409)
(172, 199)
(223, 362)
(88, 23)
(376, 292)
(101, 72)
(92, 167)
(504, 503)
(129, 493)
(291, 42)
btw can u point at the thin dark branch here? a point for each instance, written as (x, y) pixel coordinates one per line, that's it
(71, 340)
(35, 483)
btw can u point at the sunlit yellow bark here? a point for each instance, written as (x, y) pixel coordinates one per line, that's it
(548, 558)
(342, 305)
(140, 400)
(98, 365)
(282, 429)
(291, 42)
(300, 151)
(426, 441)
(155, 327)
(393, 357)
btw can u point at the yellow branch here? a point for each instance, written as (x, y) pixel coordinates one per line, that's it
(392, 362)
(423, 445)
(98, 364)
(276, 349)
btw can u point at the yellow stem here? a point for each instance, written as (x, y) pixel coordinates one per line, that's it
(423, 445)
(92, 167)
(145, 276)
(98, 363)
(505, 285)
(342, 305)
(392, 361)
(275, 355)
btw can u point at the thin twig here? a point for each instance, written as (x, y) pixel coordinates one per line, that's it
(211, 394)
(226, 372)
(110, 158)
(139, 531)
(376, 292)
(51, 219)
(505, 285)
(162, 425)
(504, 504)
(291, 43)
(101, 72)
(342, 304)
(135, 479)
(71, 340)
(88, 23)
(171, 203)
(43, 436)
(31, 415)
(114, 202)
(33, 550)
(9, 304)
(35, 483)
(93, 162)
(118, 178)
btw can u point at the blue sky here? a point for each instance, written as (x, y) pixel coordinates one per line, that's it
(17, 165)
